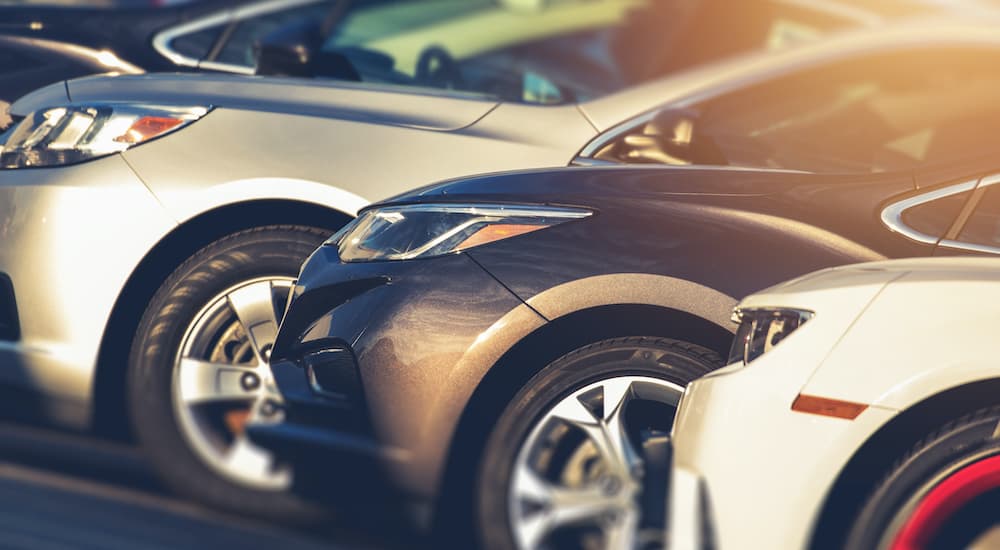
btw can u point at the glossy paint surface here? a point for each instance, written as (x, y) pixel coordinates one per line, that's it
(426, 332)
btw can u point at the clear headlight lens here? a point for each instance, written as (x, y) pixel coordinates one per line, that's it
(762, 329)
(69, 135)
(427, 230)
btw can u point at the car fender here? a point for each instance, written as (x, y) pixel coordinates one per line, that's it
(903, 362)
(519, 323)
(635, 288)
(187, 203)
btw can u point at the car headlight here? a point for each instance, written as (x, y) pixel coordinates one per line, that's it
(74, 134)
(762, 329)
(427, 230)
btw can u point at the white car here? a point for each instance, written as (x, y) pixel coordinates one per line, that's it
(874, 424)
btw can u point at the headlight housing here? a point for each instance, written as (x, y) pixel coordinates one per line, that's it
(428, 230)
(763, 328)
(69, 135)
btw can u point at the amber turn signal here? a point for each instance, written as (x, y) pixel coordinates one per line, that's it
(822, 406)
(497, 232)
(147, 128)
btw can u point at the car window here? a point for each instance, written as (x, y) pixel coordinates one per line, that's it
(196, 45)
(555, 51)
(935, 217)
(238, 47)
(882, 113)
(519, 50)
(983, 226)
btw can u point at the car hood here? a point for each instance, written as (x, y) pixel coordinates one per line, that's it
(393, 105)
(814, 290)
(592, 184)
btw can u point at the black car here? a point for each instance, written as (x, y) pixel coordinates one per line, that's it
(30, 63)
(129, 32)
(511, 348)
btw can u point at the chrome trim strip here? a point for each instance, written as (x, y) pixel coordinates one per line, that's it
(584, 161)
(162, 40)
(491, 210)
(892, 215)
(227, 68)
(989, 181)
(958, 245)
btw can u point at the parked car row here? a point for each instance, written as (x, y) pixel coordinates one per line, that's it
(501, 357)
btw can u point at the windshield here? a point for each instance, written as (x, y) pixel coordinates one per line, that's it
(529, 51)
(878, 113)
(519, 50)
(554, 51)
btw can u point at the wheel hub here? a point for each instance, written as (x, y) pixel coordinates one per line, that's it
(222, 380)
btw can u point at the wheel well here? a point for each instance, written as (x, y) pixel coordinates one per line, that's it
(110, 416)
(530, 355)
(872, 461)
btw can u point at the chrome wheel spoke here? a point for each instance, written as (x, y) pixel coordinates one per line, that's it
(617, 393)
(545, 506)
(245, 457)
(606, 431)
(254, 307)
(205, 382)
(621, 530)
(573, 412)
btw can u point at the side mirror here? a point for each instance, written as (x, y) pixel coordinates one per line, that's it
(297, 50)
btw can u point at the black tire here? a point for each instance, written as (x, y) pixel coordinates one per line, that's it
(948, 450)
(271, 251)
(662, 358)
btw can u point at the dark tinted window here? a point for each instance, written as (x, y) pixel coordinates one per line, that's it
(238, 49)
(881, 113)
(983, 227)
(197, 44)
(934, 218)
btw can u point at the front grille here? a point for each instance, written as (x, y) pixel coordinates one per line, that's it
(10, 329)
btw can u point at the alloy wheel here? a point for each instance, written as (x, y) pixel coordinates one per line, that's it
(222, 379)
(578, 477)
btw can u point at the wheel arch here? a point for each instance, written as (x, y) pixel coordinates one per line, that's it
(109, 414)
(873, 459)
(532, 353)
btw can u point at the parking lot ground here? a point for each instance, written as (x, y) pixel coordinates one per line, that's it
(61, 491)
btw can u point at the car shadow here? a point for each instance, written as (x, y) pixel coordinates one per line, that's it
(61, 491)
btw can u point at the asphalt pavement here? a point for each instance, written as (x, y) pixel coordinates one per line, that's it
(62, 492)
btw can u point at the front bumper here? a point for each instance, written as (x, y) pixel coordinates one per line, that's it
(70, 238)
(377, 362)
(743, 458)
